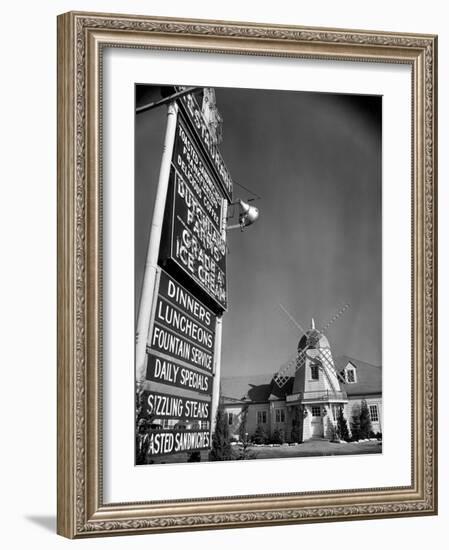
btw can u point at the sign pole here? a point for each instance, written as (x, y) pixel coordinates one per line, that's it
(216, 382)
(146, 300)
(218, 334)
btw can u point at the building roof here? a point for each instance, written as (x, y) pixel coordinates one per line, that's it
(262, 388)
(369, 377)
(253, 389)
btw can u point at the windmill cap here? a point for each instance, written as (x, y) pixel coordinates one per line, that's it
(313, 339)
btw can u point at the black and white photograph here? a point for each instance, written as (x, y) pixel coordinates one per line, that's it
(223, 238)
(258, 274)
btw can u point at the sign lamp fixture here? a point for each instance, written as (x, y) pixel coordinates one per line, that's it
(247, 216)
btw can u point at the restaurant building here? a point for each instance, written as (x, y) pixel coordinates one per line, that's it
(306, 405)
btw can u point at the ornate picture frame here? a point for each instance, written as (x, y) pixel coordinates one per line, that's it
(82, 39)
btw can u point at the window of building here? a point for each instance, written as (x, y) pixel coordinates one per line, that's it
(261, 417)
(350, 374)
(374, 413)
(280, 415)
(314, 372)
(230, 418)
(316, 411)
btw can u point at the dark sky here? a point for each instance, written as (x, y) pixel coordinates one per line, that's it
(315, 159)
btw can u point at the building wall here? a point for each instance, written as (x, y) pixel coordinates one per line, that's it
(252, 423)
(316, 426)
(276, 422)
(251, 418)
(235, 420)
(327, 419)
(375, 400)
(271, 424)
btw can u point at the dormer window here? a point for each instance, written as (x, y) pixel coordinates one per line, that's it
(350, 374)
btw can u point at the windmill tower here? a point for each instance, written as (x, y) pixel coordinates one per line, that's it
(316, 390)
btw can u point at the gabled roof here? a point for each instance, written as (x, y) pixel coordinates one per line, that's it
(369, 377)
(253, 389)
(262, 388)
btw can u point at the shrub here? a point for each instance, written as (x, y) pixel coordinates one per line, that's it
(194, 456)
(259, 436)
(221, 446)
(332, 432)
(342, 426)
(244, 451)
(144, 428)
(278, 437)
(355, 423)
(243, 423)
(296, 425)
(365, 421)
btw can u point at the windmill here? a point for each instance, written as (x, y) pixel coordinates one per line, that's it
(313, 345)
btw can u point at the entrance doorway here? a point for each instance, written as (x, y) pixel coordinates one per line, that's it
(316, 421)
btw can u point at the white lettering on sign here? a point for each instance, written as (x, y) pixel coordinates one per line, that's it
(162, 442)
(167, 342)
(177, 320)
(185, 300)
(201, 126)
(170, 406)
(187, 441)
(192, 168)
(163, 406)
(200, 265)
(194, 380)
(171, 373)
(170, 343)
(199, 222)
(166, 371)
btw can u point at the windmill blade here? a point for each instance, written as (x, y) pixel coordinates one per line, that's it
(292, 319)
(281, 379)
(334, 318)
(326, 357)
(283, 375)
(297, 361)
(326, 373)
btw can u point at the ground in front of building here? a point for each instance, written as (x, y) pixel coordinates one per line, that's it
(313, 447)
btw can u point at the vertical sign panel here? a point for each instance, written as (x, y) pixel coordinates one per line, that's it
(168, 442)
(163, 405)
(190, 163)
(183, 328)
(194, 115)
(173, 373)
(196, 245)
(182, 342)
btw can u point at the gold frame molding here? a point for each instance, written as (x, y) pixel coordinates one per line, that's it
(81, 38)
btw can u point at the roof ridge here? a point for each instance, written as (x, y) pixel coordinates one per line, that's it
(358, 361)
(240, 376)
